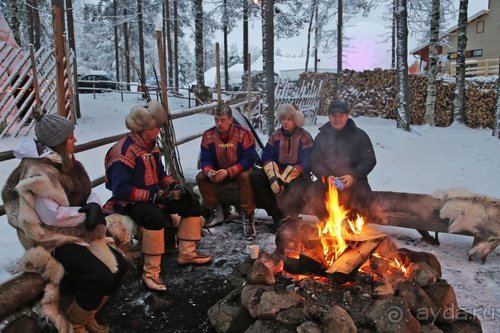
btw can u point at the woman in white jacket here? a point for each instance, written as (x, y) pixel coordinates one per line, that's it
(48, 200)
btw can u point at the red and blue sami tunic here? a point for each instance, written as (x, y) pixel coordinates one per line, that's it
(133, 173)
(289, 149)
(234, 152)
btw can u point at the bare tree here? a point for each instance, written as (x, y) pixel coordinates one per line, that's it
(433, 63)
(198, 40)
(496, 125)
(268, 10)
(141, 41)
(115, 28)
(226, 58)
(340, 22)
(393, 36)
(34, 28)
(309, 30)
(126, 41)
(14, 21)
(403, 110)
(176, 44)
(245, 35)
(459, 94)
(168, 39)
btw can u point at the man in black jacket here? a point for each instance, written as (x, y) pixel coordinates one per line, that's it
(342, 154)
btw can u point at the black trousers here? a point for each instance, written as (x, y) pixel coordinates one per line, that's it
(153, 217)
(291, 202)
(92, 278)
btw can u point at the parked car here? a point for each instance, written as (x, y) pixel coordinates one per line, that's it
(88, 83)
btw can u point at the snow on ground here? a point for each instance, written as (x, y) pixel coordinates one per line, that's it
(423, 161)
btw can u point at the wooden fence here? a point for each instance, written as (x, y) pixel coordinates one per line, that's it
(483, 67)
(17, 87)
(305, 97)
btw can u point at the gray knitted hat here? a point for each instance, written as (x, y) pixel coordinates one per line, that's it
(141, 118)
(291, 111)
(52, 130)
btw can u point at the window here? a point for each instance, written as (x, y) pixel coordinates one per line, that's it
(452, 55)
(480, 26)
(476, 53)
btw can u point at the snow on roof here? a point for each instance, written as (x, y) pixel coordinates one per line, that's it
(451, 30)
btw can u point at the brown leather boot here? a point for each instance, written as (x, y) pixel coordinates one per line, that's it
(84, 321)
(188, 234)
(153, 246)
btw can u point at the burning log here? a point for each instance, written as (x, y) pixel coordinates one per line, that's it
(346, 266)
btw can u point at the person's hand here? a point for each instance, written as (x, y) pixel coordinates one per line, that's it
(347, 180)
(220, 175)
(211, 174)
(93, 215)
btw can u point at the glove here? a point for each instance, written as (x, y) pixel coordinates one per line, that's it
(272, 172)
(289, 174)
(93, 215)
(160, 197)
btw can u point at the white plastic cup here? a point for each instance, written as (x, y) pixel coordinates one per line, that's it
(254, 251)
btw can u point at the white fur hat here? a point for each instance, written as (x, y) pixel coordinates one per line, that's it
(141, 118)
(289, 110)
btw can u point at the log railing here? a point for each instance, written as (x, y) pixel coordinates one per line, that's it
(483, 67)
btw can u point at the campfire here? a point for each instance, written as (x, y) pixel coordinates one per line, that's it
(340, 275)
(339, 246)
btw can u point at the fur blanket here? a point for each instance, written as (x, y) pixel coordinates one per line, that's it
(473, 213)
(31, 178)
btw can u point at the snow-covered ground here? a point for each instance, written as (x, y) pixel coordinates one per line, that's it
(423, 161)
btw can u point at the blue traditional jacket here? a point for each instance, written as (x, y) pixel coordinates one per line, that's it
(234, 153)
(134, 173)
(289, 149)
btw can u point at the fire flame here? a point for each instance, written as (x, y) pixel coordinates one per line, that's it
(335, 230)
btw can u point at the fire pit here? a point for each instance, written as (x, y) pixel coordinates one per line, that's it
(340, 275)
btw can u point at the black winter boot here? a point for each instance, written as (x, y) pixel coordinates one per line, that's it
(249, 227)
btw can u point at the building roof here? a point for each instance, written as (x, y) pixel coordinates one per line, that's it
(451, 30)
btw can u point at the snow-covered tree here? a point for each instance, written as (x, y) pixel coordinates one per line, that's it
(403, 109)
(198, 41)
(459, 94)
(496, 124)
(433, 64)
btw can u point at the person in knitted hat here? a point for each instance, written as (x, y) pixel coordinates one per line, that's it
(286, 173)
(48, 199)
(343, 154)
(143, 190)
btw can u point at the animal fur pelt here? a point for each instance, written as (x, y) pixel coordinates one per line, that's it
(40, 261)
(473, 213)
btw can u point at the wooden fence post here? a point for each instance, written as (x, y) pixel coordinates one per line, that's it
(58, 22)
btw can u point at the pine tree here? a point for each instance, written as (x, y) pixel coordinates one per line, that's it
(198, 40)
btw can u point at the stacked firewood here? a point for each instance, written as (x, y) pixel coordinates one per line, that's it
(374, 93)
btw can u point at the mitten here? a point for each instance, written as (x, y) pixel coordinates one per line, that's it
(289, 174)
(272, 172)
(93, 215)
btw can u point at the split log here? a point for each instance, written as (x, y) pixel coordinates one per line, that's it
(346, 266)
(18, 292)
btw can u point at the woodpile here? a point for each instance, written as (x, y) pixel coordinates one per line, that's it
(373, 93)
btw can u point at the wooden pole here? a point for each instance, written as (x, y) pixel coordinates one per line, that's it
(249, 87)
(217, 70)
(36, 87)
(58, 23)
(70, 90)
(163, 70)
